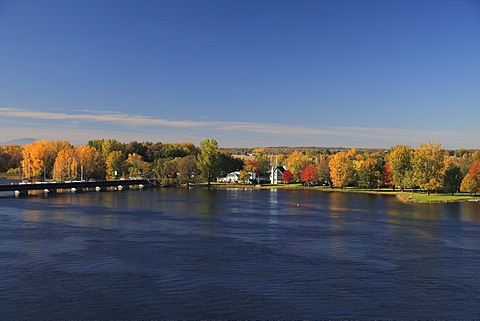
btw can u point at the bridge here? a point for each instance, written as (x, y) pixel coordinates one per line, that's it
(22, 189)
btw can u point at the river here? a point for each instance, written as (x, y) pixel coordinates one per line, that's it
(237, 254)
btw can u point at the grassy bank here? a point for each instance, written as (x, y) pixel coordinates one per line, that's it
(406, 197)
(13, 176)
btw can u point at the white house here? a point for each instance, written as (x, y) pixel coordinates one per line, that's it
(276, 174)
(234, 177)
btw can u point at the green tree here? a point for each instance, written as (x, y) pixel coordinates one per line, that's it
(228, 164)
(369, 173)
(244, 176)
(400, 160)
(110, 145)
(169, 172)
(452, 179)
(135, 147)
(188, 170)
(209, 159)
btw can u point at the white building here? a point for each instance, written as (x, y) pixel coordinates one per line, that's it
(234, 177)
(276, 174)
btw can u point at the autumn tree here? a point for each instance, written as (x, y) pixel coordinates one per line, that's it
(470, 184)
(387, 176)
(10, 158)
(400, 162)
(287, 177)
(471, 181)
(341, 169)
(38, 158)
(428, 166)
(91, 161)
(296, 163)
(115, 162)
(323, 171)
(66, 165)
(136, 166)
(309, 175)
(252, 166)
(209, 159)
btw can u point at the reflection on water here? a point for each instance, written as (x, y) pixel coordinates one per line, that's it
(191, 254)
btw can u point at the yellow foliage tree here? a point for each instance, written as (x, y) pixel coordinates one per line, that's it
(400, 159)
(341, 169)
(135, 165)
(115, 163)
(66, 165)
(428, 162)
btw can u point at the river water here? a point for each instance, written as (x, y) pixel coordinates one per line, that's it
(237, 254)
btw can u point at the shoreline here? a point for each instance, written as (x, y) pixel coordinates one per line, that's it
(404, 197)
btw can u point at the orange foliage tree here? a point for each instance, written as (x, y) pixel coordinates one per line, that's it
(471, 181)
(91, 161)
(38, 158)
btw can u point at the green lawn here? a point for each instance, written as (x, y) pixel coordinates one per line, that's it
(418, 197)
(408, 197)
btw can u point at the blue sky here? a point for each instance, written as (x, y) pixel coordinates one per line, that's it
(351, 73)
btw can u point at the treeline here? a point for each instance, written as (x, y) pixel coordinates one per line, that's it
(170, 163)
(428, 167)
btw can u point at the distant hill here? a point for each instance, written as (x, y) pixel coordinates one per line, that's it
(20, 141)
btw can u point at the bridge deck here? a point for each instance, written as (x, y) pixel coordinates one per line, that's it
(73, 184)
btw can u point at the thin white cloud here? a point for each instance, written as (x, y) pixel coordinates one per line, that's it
(259, 133)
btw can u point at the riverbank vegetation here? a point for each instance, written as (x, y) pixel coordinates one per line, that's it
(427, 173)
